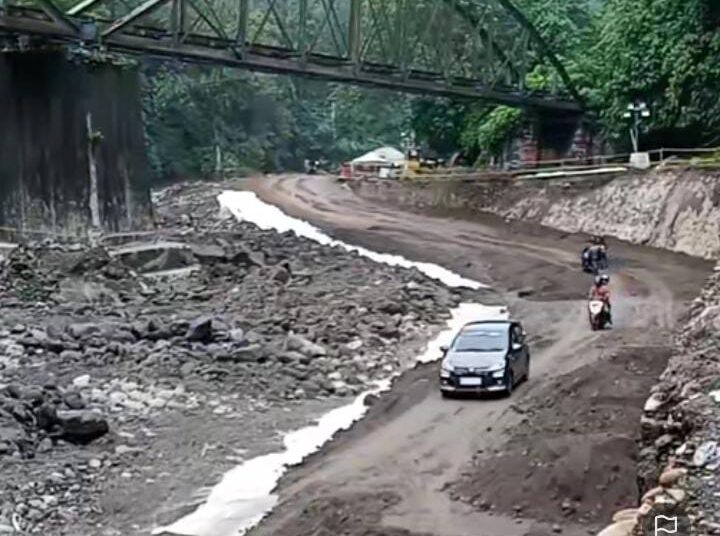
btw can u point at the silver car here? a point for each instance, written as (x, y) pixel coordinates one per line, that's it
(487, 356)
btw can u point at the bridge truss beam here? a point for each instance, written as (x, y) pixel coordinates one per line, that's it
(475, 49)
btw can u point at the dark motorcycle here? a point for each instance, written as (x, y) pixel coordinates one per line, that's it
(594, 260)
(587, 261)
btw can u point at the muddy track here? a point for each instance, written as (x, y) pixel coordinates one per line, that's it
(393, 473)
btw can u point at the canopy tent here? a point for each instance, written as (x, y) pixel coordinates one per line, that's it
(379, 157)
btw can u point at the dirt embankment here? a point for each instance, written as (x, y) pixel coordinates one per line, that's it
(674, 210)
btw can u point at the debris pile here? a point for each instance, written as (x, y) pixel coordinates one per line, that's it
(98, 343)
(664, 503)
(681, 421)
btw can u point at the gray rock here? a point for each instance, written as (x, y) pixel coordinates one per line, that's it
(525, 292)
(187, 368)
(290, 357)
(83, 330)
(705, 453)
(70, 355)
(664, 441)
(74, 400)
(308, 348)
(237, 335)
(81, 426)
(208, 253)
(281, 275)
(11, 433)
(200, 329)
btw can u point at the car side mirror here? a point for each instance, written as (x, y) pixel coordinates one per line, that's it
(444, 349)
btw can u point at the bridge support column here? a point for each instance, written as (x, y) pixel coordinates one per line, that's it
(553, 137)
(57, 173)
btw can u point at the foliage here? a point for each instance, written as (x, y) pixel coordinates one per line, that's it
(664, 52)
(490, 132)
(439, 123)
(205, 120)
(212, 119)
(615, 51)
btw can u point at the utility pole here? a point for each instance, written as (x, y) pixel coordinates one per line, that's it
(636, 112)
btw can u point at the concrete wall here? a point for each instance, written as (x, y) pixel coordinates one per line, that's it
(677, 210)
(44, 177)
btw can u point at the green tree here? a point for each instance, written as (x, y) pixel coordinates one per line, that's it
(664, 52)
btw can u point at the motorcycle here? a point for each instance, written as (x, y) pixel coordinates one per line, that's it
(588, 265)
(597, 314)
(594, 260)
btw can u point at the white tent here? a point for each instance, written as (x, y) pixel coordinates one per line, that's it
(381, 156)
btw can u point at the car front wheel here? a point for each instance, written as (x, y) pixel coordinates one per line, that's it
(509, 383)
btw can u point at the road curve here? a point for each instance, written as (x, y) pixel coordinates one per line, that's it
(414, 445)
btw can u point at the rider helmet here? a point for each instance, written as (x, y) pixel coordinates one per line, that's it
(602, 279)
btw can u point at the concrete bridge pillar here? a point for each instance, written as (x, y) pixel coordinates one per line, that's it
(72, 155)
(554, 137)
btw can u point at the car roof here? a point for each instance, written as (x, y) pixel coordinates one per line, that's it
(506, 324)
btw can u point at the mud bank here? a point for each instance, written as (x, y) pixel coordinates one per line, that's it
(677, 210)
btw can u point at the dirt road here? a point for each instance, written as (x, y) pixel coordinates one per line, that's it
(419, 464)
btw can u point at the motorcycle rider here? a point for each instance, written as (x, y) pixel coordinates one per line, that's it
(602, 256)
(586, 260)
(600, 292)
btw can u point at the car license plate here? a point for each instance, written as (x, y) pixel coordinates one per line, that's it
(470, 381)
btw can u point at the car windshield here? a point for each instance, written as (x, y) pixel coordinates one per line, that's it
(481, 341)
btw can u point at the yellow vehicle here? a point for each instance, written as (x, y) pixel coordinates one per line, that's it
(412, 164)
(416, 165)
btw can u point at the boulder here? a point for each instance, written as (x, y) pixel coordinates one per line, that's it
(654, 402)
(82, 381)
(12, 436)
(651, 494)
(237, 335)
(247, 354)
(81, 426)
(624, 515)
(308, 348)
(208, 253)
(671, 476)
(83, 330)
(705, 453)
(281, 275)
(290, 357)
(621, 528)
(74, 400)
(70, 356)
(672, 496)
(200, 329)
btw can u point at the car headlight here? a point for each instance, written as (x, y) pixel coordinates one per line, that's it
(445, 369)
(499, 373)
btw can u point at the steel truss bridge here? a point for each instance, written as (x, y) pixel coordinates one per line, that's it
(478, 49)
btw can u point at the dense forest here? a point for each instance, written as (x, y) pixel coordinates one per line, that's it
(665, 52)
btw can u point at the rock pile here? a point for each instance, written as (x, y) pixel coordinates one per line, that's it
(681, 421)
(668, 499)
(99, 342)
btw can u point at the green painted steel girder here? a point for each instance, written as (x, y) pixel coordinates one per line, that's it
(460, 48)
